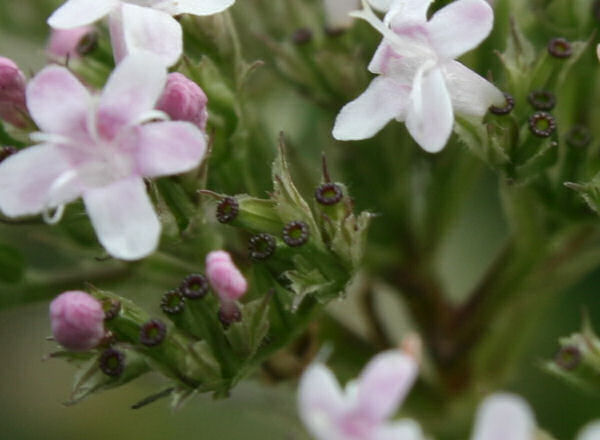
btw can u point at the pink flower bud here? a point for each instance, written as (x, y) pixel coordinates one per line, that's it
(184, 100)
(77, 320)
(12, 93)
(225, 278)
(65, 42)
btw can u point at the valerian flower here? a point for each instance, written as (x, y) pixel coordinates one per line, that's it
(77, 320)
(359, 412)
(505, 416)
(98, 147)
(137, 25)
(418, 81)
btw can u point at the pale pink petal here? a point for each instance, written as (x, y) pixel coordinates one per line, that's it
(384, 100)
(384, 383)
(164, 148)
(132, 89)
(64, 42)
(460, 27)
(430, 118)
(503, 417)
(28, 181)
(401, 430)
(590, 432)
(381, 5)
(124, 219)
(195, 7)
(336, 12)
(470, 93)
(387, 61)
(404, 11)
(135, 28)
(320, 401)
(75, 13)
(58, 102)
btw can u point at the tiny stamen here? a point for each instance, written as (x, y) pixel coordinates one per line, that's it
(153, 333)
(227, 210)
(261, 246)
(172, 302)
(542, 124)
(506, 109)
(194, 286)
(328, 194)
(295, 233)
(542, 99)
(560, 48)
(112, 362)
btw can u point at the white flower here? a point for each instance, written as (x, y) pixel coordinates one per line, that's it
(418, 80)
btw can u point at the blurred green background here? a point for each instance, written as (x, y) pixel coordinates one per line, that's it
(32, 390)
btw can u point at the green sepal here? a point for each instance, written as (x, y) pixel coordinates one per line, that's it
(246, 335)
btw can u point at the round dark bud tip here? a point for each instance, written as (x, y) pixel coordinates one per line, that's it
(295, 233)
(153, 333)
(194, 286)
(261, 246)
(568, 358)
(111, 307)
(579, 137)
(507, 108)
(542, 100)
(227, 210)
(87, 44)
(542, 124)
(302, 36)
(112, 362)
(230, 314)
(172, 302)
(6, 152)
(328, 194)
(560, 48)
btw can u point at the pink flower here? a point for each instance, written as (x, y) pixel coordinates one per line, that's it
(12, 93)
(361, 410)
(418, 80)
(225, 278)
(137, 25)
(64, 42)
(99, 148)
(77, 320)
(184, 100)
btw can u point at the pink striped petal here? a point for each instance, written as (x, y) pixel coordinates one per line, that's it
(58, 102)
(75, 13)
(384, 100)
(430, 117)
(384, 383)
(136, 28)
(124, 218)
(132, 89)
(164, 148)
(460, 27)
(30, 181)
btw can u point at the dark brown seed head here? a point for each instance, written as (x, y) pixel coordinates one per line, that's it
(194, 286)
(295, 233)
(542, 124)
(542, 99)
(568, 357)
(227, 210)
(112, 362)
(153, 333)
(172, 302)
(506, 109)
(560, 48)
(328, 194)
(229, 314)
(261, 246)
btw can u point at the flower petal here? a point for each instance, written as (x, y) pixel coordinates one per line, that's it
(384, 100)
(135, 28)
(124, 218)
(470, 93)
(430, 118)
(58, 102)
(320, 401)
(590, 431)
(384, 383)
(460, 27)
(504, 416)
(132, 89)
(28, 178)
(195, 7)
(381, 5)
(164, 148)
(336, 12)
(76, 13)
(401, 12)
(402, 430)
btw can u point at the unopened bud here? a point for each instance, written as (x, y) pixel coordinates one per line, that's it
(184, 100)
(12, 93)
(77, 320)
(229, 313)
(225, 278)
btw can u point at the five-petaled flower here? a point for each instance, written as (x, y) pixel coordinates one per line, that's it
(360, 412)
(418, 80)
(98, 147)
(137, 25)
